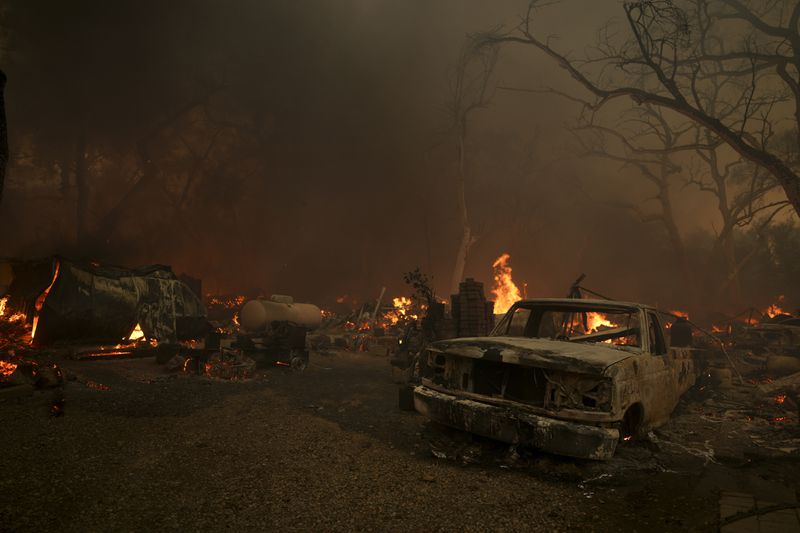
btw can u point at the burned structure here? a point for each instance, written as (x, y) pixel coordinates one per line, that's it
(69, 300)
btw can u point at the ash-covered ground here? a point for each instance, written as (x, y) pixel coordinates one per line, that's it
(137, 448)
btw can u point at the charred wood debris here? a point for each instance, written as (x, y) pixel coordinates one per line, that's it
(58, 309)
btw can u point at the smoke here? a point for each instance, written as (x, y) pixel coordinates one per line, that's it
(302, 147)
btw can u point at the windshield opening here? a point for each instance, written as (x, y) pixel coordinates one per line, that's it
(614, 326)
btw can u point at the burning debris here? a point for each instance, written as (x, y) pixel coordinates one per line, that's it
(19, 376)
(15, 332)
(68, 301)
(775, 310)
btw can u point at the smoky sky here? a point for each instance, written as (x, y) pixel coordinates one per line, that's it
(334, 170)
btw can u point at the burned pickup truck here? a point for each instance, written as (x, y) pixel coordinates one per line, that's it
(570, 377)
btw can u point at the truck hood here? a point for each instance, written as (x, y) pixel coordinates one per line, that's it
(588, 358)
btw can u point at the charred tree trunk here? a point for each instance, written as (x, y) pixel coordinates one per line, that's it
(3, 135)
(675, 238)
(467, 239)
(148, 174)
(732, 267)
(724, 247)
(470, 92)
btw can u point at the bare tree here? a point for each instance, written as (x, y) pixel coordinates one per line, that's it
(643, 139)
(675, 50)
(666, 155)
(469, 91)
(148, 174)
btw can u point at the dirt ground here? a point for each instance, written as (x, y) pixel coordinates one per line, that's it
(323, 450)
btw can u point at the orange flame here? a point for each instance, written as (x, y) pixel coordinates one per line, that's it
(401, 311)
(681, 314)
(42, 297)
(6, 368)
(505, 291)
(595, 320)
(136, 334)
(4, 309)
(775, 309)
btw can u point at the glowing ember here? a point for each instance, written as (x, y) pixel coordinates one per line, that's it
(775, 309)
(136, 334)
(779, 399)
(42, 297)
(627, 437)
(97, 386)
(231, 302)
(7, 368)
(682, 314)
(4, 310)
(505, 291)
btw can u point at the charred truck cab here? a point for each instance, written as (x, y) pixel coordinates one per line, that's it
(570, 377)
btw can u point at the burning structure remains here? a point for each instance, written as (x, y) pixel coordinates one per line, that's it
(67, 300)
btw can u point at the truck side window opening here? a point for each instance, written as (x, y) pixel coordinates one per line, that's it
(657, 345)
(519, 322)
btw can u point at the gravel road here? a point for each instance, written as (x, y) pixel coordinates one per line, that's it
(322, 450)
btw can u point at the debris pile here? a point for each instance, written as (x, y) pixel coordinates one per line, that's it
(223, 364)
(20, 376)
(754, 420)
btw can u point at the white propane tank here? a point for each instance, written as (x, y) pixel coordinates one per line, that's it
(256, 315)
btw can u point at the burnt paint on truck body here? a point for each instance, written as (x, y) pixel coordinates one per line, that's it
(564, 397)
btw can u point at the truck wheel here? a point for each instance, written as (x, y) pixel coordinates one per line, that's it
(630, 428)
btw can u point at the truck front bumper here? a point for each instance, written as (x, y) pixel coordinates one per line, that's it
(559, 437)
